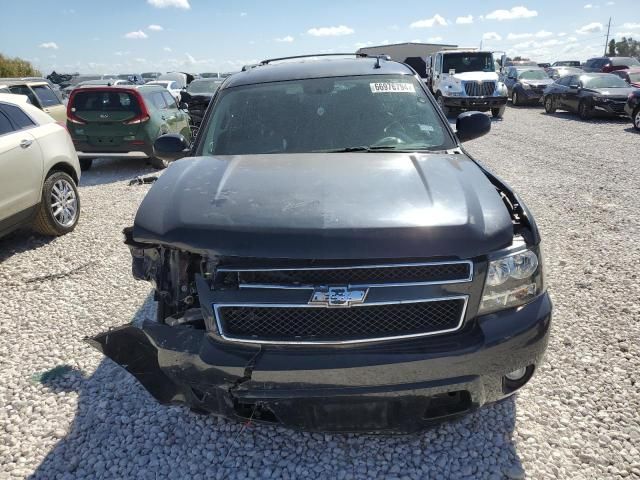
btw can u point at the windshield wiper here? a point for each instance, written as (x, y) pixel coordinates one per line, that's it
(364, 148)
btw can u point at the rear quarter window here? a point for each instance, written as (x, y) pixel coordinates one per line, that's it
(46, 96)
(5, 124)
(17, 116)
(24, 90)
(157, 100)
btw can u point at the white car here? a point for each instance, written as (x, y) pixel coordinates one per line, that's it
(171, 85)
(39, 170)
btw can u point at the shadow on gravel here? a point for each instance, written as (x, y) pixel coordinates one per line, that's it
(20, 241)
(110, 170)
(573, 117)
(119, 431)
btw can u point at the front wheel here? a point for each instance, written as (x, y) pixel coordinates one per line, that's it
(59, 208)
(515, 99)
(498, 112)
(636, 119)
(549, 104)
(584, 110)
(443, 107)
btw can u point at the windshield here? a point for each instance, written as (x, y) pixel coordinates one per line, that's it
(605, 81)
(628, 61)
(533, 75)
(389, 112)
(567, 63)
(203, 86)
(467, 62)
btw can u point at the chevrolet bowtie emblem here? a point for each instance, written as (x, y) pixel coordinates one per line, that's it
(338, 296)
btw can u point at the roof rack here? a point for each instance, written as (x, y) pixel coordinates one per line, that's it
(360, 55)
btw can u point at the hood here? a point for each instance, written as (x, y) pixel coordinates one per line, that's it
(613, 92)
(475, 76)
(538, 83)
(326, 206)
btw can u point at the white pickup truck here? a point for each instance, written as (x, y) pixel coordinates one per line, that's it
(466, 80)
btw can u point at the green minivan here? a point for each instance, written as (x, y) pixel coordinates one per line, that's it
(123, 121)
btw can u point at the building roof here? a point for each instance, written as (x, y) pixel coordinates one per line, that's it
(297, 70)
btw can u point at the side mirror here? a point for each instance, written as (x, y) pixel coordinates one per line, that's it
(170, 147)
(470, 125)
(574, 86)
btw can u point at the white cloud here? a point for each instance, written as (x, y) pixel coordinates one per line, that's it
(631, 26)
(167, 49)
(590, 28)
(464, 20)
(243, 14)
(429, 22)
(190, 59)
(572, 39)
(287, 39)
(589, 6)
(121, 54)
(184, 4)
(434, 39)
(562, 34)
(611, 3)
(514, 13)
(330, 31)
(491, 36)
(155, 28)
(136, 35)
(51, 45)
(539, 34)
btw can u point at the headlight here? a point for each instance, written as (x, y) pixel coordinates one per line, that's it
(599, 99)
(512, 281)
(526, 86)
(453, 90)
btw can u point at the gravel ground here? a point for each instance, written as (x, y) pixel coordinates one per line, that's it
(68, 413)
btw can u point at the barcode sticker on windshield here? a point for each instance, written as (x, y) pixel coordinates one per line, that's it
(392, 88)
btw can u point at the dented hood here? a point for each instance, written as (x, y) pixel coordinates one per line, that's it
(326, 206)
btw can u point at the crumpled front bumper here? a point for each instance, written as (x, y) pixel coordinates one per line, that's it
(400, 386)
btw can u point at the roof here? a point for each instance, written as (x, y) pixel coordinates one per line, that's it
(298, 70)
(409, 43)
(119, 87)
(13, 98)
(17, 81)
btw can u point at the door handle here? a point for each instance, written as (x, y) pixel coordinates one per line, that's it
(26, 143)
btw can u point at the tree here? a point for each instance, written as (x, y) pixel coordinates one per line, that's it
(16, 67)
(611, 52)
(628, 47)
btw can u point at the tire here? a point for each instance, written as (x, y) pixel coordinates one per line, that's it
(158, 163)
(498, 112)
(85, 164)
(549, 105)
(514, 98)
(443, 107)
(635, 118)
(59, 188)
(584, 110)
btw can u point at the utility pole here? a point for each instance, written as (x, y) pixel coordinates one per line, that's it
(606, 43)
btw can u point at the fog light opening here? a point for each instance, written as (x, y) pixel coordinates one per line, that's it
(515, 379)
(516, 374)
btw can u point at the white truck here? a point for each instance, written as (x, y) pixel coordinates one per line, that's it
(466, 80)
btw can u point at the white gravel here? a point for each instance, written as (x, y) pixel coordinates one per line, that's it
(578, 419)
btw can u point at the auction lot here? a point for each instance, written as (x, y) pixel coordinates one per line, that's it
(69, 413)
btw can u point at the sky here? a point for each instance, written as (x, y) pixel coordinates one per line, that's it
(135, 36)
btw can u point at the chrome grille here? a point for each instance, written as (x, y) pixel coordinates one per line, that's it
(418, 273)
(480, 89)
(269, 323)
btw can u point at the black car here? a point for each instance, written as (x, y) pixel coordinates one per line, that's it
(632, 108)
(329, 257)
(198, 95)
(526, 84)
(588, 94)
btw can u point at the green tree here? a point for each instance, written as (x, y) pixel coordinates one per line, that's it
(612, 48)
(16, 67)
(628, 47)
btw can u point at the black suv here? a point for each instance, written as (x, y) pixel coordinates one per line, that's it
(330, 258)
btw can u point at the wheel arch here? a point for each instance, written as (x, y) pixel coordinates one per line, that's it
(66, 168)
